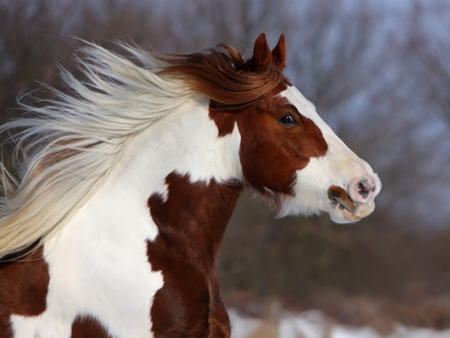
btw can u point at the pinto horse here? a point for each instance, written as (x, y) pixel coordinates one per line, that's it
(113, 225)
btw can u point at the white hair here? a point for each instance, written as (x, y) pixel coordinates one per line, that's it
(76, 139)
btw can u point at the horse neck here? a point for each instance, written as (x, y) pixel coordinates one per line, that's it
(177, 183)
(192, 221)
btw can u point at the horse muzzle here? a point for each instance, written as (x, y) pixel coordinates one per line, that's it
(355, 203)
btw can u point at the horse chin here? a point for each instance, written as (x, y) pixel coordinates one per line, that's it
(341, 215)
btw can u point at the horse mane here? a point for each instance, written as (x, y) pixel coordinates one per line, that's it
(74, 140)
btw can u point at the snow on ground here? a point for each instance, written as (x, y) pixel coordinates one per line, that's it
(314, 324)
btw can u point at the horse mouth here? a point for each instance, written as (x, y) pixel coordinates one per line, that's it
(344, 208)
(340, 199)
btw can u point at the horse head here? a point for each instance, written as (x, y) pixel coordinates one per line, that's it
(291, 157)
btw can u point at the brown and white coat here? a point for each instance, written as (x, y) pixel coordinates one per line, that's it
(136, 187)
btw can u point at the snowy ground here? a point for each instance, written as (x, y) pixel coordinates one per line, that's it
(314, 324)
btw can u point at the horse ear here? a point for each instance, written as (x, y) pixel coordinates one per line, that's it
(279, 53)
(261, 53)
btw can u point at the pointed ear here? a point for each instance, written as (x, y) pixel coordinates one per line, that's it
(261, 53)
(279, 53)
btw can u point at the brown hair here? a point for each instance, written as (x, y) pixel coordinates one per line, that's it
(229, 81)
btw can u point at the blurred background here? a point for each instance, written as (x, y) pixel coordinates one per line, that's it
(378, 72)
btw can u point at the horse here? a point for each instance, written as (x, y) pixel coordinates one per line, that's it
(128, 178)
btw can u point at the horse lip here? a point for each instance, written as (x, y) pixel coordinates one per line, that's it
(339, 197)
(343, 204)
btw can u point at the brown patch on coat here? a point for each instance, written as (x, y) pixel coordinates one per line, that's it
(225, 121)
(271, 153)
(191, 226)
(88, 327)
(23, 288)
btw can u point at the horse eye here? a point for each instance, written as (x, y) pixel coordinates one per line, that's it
(288, 120)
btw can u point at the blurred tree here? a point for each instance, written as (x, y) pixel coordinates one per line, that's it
(411, 105)
(201, 24)
(26, 45)
(427, 55)
(330, 51)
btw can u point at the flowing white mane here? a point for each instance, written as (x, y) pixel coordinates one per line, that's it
(76, 139)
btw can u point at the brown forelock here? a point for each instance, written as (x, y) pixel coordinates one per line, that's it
(191, 224)
(222, 75)
(88, 327)
(271, 153)
(23, 288)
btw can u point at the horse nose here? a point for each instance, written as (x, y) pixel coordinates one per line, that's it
(364, 189)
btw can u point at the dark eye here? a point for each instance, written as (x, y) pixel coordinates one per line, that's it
(288, 120)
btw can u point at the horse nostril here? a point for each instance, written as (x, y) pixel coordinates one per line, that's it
(364, 188)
